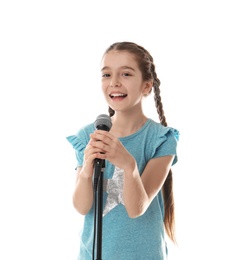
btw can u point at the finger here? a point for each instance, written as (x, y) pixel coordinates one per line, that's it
(93, 150)
(101, 146)
(101, 135)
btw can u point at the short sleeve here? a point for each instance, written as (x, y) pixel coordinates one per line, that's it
(79, 146)
(166, 143)
(80, 140)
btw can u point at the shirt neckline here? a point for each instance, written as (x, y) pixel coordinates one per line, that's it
(148, 121)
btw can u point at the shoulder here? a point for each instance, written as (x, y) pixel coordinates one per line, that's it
(85, 131)
(162, 132)
(162, 140)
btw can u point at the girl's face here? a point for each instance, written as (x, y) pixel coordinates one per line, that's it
(122, 82)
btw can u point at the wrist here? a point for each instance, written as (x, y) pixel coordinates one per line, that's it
(131, 166)
(84, 175)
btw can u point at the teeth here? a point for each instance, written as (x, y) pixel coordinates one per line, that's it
(118, 95)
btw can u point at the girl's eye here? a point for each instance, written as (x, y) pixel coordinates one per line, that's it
(126, 74)
(106, 75)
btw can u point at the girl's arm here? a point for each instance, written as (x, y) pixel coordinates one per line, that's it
(83, 193)
(139, 191)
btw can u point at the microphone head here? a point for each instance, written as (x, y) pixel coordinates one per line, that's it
(103, 122)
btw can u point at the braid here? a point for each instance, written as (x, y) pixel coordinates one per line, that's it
(111, 111)
(167, 189)
(157, 97)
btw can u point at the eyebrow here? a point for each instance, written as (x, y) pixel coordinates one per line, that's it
(123, 67)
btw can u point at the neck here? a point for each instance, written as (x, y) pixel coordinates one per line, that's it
(125, 124)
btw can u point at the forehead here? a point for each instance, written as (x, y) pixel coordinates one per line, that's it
(117, 59)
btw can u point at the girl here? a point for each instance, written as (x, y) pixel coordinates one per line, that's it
(139, 153)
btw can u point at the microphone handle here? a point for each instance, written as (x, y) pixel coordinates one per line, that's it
(99, 164)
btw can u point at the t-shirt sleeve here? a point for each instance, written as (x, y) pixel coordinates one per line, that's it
(166, 144)
(79, 143)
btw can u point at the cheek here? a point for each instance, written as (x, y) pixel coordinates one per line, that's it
(104, 89)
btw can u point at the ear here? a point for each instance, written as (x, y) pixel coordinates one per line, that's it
(147, 87)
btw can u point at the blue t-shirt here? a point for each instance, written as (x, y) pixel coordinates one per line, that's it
(125, 238)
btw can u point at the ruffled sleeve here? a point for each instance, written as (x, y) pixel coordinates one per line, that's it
(79, 146)
(80, 140)
(166, 143)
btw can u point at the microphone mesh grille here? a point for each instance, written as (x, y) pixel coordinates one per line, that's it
(103, 119)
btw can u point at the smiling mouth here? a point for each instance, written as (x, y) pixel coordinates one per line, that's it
(117, 95)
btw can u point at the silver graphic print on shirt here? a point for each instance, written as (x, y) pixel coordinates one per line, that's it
(114, 188)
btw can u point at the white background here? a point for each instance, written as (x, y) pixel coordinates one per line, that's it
(50, 55)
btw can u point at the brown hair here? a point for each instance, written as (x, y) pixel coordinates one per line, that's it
(147, 68)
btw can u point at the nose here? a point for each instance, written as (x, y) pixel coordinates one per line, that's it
(115, 82)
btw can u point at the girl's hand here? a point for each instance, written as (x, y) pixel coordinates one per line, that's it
(106, 146)
(90, 154)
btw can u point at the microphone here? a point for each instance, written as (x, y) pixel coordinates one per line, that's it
(102, 122)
